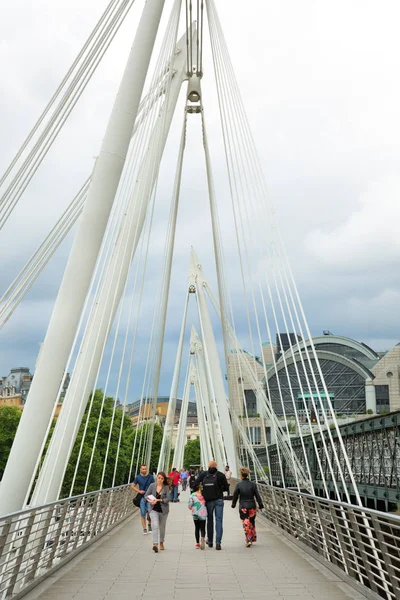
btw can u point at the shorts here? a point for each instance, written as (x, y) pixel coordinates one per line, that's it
(144, 507)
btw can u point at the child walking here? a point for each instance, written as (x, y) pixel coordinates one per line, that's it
(197, 505)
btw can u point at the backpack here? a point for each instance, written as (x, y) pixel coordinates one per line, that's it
(211, 488)
(192, 479)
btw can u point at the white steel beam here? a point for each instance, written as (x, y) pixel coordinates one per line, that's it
(205, 446)
(101, 319)
(180, 443)
(163, 462)
(213, 364)
(28, 443)
(211, 411)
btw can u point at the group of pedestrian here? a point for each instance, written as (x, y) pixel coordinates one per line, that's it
(206, 502)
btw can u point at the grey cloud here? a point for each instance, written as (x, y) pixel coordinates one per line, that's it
(323, 105)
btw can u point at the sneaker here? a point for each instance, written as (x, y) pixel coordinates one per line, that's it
(197, 545)
(209, 544)
(149, 527)
(155, 548)
(218, 546)
(144, 531)
(202, 543)
(248, 544)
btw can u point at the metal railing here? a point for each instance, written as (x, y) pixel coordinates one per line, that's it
(37, 541)
(363, 544)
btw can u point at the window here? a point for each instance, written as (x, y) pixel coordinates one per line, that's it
(268, 434)
(251, 402)
(382, 396)
(254, 435)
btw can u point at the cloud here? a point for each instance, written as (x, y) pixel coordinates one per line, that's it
(322, 95)
(368, 239)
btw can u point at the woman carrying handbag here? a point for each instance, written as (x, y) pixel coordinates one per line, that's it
(158, 496)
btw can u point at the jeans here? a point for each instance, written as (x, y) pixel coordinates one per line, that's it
(158, 523)
(144, 507)
(216, 506)
(174, 493)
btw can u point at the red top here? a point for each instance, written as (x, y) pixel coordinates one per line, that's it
(174, 476)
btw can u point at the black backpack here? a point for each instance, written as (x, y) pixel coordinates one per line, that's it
(192, 479)
(211, 488)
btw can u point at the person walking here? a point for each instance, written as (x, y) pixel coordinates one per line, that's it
(214, 485)
(140, 485)
(192, 479)
(247, 493)
(228, 475)
(184, 479)
(197, 505)
(158, 497)
(175, 478)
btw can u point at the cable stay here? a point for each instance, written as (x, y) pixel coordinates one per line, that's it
(256, 297)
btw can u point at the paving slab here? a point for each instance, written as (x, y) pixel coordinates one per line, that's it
(123, 566)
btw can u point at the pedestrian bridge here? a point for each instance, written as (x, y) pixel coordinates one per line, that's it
(93, 548)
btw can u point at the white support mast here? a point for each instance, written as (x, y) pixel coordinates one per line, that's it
(205, 446)
(163, 461)
(180, 443)
(25, 453)
(213, 423)
(100, 321)
(213, 364)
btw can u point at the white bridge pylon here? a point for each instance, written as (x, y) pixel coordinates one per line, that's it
(113, 238)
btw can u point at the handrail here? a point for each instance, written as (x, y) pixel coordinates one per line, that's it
(36, 541)
(364, 544)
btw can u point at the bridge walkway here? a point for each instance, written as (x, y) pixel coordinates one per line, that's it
(122, 566)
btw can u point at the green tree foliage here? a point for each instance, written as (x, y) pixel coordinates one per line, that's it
(9, 419)
(121, 425)
(192, 454)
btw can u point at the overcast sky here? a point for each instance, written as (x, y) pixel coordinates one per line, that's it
(320, 84)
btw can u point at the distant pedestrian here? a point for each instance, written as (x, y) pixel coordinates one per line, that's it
(214, 485)
(175, 479)
(192, 479)
(228, 475)
(140, 485)
(184, 479)
(247, 493)
(197, 505)
(158, 496)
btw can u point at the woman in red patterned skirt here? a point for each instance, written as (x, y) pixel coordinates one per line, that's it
(247, 493)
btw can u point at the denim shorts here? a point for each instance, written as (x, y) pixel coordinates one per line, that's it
(144, 507)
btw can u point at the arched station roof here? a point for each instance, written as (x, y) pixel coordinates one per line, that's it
(337, 340)
(323, 355)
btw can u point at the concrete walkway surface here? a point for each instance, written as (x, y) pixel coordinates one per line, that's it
(122, 566)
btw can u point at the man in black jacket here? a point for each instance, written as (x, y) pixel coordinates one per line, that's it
(214, 485)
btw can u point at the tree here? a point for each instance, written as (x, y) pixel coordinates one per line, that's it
(9, 420)
(192, 453)
(92, 462)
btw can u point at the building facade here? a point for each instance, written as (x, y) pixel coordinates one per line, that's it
(357, 378)
(141, 411)
(14, 388)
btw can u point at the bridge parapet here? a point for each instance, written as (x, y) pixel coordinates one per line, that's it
(372, 446)
(37, 541)
(361, 545)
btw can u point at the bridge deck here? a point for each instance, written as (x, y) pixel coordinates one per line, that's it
(122, 566)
